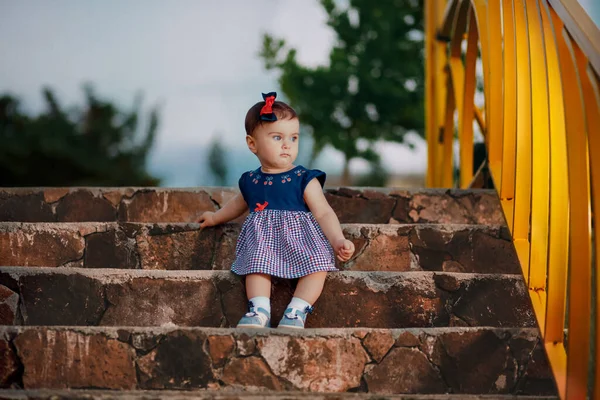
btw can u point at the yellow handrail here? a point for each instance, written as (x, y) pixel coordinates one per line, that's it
(541, 124)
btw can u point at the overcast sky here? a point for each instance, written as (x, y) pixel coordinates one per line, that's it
(196, 58)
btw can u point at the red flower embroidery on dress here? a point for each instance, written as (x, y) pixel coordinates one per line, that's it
(260, 207)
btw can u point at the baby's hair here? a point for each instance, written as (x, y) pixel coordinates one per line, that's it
(280, 109)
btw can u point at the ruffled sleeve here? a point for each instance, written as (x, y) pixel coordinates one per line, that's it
(310, 175)
(243, 185)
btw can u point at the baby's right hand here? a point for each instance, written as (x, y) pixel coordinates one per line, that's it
(207, 219)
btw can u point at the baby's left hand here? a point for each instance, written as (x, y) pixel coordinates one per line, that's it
(344, 250)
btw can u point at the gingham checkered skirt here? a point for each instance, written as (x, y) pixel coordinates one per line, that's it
(287, 244)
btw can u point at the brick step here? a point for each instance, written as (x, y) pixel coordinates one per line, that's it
(76, 296)
(425, 361)
(353, 205)
(429, 247)
(79, 394)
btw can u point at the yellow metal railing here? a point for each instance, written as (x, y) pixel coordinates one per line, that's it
(541, 124)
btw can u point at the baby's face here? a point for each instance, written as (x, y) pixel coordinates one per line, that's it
(276, 144)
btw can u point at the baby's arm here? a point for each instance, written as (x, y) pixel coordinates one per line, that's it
(329, 222)
(231, 210)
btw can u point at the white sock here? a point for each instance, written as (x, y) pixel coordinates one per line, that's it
(298, 304)
(262, 302)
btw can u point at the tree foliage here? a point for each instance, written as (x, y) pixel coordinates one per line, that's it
(97, 145)
(217, 161)
(373, 86)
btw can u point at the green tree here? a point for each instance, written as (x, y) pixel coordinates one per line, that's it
(373, 85)
(216, 161)
(97, 145)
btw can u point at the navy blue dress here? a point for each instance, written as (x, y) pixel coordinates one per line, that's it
(280, 236)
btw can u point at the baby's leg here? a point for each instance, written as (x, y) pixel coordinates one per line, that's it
(258, 290)
(310, 287)
(307, 292)
(258, 285)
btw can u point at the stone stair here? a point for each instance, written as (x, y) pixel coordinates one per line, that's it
(117, 293)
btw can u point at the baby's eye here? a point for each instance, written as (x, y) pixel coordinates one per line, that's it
(277, 137)
(294, 139)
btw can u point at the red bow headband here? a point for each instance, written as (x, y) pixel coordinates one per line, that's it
(266, 113)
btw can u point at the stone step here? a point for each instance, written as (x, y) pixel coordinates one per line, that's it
(76, 296)
(56, 394)
(384, 247)
(424, 361)
(380, 361)
(352, 205)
